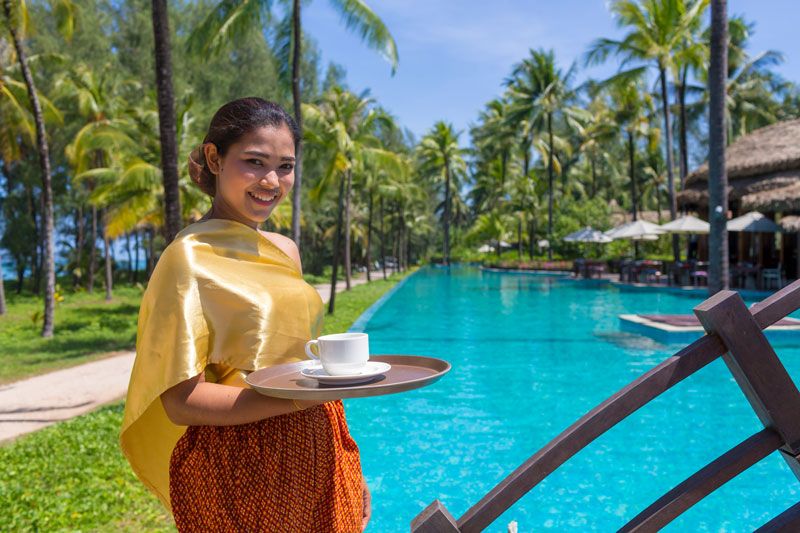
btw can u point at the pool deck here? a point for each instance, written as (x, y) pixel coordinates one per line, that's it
(682, 328)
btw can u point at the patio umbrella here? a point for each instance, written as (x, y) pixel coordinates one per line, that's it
(485, 249)
(587, 234)
(753, 222)
(687, 224)
(638, 229)
(613, 231)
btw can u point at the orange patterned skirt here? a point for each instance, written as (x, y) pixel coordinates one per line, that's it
(299, 471)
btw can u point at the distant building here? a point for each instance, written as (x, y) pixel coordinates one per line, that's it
(763, 170)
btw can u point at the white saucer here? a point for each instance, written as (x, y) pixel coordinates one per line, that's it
(369, 371)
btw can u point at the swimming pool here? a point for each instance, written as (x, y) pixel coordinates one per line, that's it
(530, 355)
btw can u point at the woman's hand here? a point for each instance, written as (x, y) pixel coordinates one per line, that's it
(367, 499)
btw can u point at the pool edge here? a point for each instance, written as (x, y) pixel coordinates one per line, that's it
(360, 323)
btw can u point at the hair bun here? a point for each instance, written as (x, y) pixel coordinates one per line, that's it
(199, 171)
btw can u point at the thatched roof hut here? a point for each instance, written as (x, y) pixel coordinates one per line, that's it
(763, 172)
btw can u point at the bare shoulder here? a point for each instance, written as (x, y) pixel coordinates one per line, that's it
(286, 244)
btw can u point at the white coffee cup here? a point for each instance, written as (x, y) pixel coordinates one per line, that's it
(340, 353)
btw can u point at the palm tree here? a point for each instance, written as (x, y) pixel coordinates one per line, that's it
(539, 92)
(658, 30)
(441, 158)
(717, 178)
(166, 119)
(232, 19)
(496, 136)
(630, 104)
(15, 14)
(595, 130)
(343, 127)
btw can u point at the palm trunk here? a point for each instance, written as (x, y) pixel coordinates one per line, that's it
(166, 120)
(107, 253)
(683, 144)
(519, 238)
(44, 162)
(151, 250)
(550, 187)
(2, 289)
(670, 177)
(130, 257)
(347, 198)
(383, 241)
(34, 258)
(718, 179)
(631, 156)
(336, 246)
(369, 237)
(92, 252)
(79, 243)
(446, 257)
(298, 117)
(396, 240)
(136, 256)
(532, 238)
(20, 273)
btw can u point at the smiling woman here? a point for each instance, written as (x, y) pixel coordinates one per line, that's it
(226, 299)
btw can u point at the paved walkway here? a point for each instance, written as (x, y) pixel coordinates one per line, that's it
(40, 401)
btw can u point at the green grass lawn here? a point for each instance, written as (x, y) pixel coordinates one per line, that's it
(73, 476)
(86, 327)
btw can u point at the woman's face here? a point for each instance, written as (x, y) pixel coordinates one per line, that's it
(255, 174)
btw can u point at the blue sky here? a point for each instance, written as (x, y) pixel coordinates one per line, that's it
(454, 54)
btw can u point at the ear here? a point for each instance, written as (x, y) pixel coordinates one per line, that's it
(213, 159)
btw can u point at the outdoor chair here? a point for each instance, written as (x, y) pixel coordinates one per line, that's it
(699, 274)
(596, 269)
(734, 333)
(770, 276)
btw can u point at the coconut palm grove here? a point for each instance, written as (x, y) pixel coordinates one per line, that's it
(572, 208)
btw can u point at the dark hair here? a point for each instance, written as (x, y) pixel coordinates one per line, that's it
(229, 124)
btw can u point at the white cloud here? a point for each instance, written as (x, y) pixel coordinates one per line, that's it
(475, 32)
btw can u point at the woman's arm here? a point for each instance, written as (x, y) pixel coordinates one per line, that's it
(195, 402)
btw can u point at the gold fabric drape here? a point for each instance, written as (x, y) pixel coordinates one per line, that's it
(224, 300)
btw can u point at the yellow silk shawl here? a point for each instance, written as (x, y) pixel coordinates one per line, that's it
(224, 300)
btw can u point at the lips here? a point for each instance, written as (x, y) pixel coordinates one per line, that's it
(263, 198)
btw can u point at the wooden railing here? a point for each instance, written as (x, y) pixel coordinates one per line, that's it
(733, 332)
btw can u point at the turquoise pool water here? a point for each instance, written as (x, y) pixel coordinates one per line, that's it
(530, 355)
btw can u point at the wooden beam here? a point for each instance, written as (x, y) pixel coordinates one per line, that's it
(435, 518)
(752, 361)
(786, 522)
(588, 428)
(705, 481)
(613, 410)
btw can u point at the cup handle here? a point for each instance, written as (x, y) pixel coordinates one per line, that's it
(309, 353)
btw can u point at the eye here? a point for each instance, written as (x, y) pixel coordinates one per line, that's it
(256, 162)
(287, 166)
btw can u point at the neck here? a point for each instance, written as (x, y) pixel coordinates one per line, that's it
(219, 209)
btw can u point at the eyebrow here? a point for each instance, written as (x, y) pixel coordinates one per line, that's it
(266, 156)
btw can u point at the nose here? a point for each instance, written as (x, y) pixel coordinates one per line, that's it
(270, 179)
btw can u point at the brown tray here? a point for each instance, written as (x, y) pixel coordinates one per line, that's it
(408, 372)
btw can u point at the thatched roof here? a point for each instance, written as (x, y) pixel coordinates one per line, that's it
(763, 170)
(621, 217)
(790, 224)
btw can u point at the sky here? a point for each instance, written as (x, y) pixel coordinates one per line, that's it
(455, 54)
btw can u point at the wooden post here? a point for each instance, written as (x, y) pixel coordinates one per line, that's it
(435, 518)
(757, 369)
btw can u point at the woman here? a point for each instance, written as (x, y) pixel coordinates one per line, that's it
(224, 299)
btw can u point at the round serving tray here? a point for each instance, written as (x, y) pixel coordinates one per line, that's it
(408, 372)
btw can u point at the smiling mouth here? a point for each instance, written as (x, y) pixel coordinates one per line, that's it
(264, 198)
